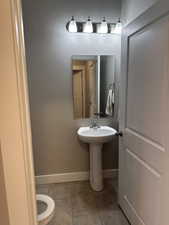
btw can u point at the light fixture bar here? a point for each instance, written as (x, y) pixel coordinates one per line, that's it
(89, 26)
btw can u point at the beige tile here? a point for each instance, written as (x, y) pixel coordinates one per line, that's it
(107, 201)
(60, 191)
(82, 187)
(77, 204)
(115, 218)
(42, 189)
(83, 199)
(63, 213)
(86, 219)
(83, 202)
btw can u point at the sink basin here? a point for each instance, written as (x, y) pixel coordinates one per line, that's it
(102, 134)
(96, 137)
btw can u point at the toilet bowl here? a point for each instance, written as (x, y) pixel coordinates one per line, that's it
(45, 217)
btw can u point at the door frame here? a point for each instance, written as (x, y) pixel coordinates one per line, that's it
(27, 202)
(15, 129)
(82, 68)
(154, 13)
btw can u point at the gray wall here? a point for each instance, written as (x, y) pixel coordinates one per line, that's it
(49, 48)
(133, 8)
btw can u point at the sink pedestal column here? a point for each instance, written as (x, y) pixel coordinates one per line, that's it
(96, 173)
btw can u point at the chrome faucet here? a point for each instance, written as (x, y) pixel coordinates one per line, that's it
(94, 122)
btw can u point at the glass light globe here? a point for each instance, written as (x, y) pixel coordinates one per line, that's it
(112, 28)
(72, 27)
(103, 27)
(88, 26)
(118, 27)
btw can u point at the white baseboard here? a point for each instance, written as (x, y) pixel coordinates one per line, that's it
(70, 177)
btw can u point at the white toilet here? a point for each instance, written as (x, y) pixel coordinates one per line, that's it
(45, 217)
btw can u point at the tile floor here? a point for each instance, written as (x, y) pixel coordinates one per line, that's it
(77, 204)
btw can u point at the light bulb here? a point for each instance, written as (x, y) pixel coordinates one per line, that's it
(72, 27)
(112, 28)
(88, 26)
(118, 27)
(103, 27)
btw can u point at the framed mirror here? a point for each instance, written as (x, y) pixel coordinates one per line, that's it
(93, 80)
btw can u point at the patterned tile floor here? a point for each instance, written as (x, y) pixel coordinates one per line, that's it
(77, 204)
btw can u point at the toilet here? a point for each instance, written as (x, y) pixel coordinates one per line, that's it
(45, 217)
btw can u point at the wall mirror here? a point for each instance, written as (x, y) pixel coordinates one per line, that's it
(94, 87)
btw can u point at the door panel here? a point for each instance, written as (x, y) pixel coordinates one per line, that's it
(146, 80)
(143, 191)
(144, 148)
(150, 152)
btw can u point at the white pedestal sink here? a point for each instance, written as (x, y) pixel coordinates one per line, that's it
(96, 137)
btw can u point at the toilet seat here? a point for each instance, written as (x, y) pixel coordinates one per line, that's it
(46, 216)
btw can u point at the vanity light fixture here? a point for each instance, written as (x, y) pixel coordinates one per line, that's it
(103, 27)
(88, 26)
(118, 27)
(72, 26)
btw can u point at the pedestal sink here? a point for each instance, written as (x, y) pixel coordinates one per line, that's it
(96, 137)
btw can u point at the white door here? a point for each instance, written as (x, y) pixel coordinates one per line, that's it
(144, 147)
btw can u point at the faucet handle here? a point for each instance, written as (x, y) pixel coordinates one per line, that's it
(94, 121)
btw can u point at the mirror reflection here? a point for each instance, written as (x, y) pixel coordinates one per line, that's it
(93, 79)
